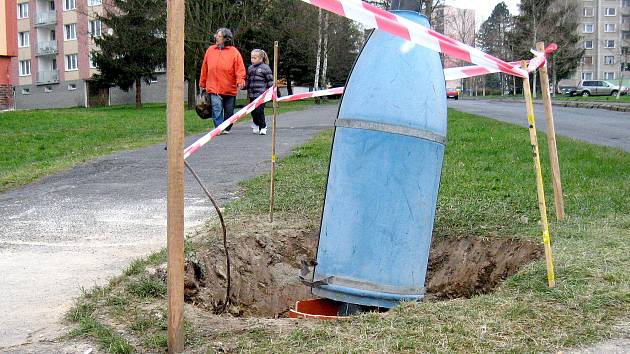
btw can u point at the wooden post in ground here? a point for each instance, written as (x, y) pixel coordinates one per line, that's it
(175, 174)
(551, 139)
(273, 130)
(551, 279)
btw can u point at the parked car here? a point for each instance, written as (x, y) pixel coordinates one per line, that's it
(452, 93)
(568, 90)
(599, 87)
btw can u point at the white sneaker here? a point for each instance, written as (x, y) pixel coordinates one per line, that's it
(255, 129)
(263, 131)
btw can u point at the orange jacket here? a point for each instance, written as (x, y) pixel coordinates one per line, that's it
(222, 70)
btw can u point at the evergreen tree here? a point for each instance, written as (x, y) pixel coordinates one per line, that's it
(134, 45)
(493, 38)
(549, 21)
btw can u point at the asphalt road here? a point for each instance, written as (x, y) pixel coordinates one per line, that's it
(80, 227)
(596, 126)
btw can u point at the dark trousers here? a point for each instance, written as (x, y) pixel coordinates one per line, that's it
(258, 115)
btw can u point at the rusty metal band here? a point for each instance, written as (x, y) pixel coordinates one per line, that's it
(390, 128)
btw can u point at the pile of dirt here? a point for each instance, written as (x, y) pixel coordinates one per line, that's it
(265, 264)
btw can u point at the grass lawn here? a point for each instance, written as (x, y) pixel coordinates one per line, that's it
(36, 143)
(487, 189)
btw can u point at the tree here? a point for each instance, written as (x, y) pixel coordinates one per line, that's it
(493, 38)
(134, 46)
(203, 18)
(549, 21)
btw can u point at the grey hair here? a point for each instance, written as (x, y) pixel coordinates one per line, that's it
(228, 37)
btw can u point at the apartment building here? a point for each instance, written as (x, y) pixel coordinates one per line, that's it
(53, 66)
(605, 31)
(7, 51)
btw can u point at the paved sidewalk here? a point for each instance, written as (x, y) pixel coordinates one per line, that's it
(80, 227)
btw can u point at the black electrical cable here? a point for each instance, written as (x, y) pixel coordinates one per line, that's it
(227, 254)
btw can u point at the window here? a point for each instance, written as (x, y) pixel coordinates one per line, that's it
(587, 76)
(93, 63)
(69, 5)
(609, 27)
(51, 5)
(609, 43)
(94, 2)
(53, 35)
(23, 39)
(26, 91)
(609, 59)
(25, 67)
(53, 64)
(95, 28)
(72, 87)
(70, 31)
(22, 10)
(587, 60)
(588, 44)
(588, 28)
(587, 12)
(71, 62)
(609, 76)
(610, 11)
(48, 89)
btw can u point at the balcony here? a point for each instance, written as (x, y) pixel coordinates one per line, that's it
(47, 77)
(625, 27)
(47, 48)
(625, 10)
(46, 18)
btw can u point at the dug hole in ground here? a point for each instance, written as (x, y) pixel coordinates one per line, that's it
(266, 261)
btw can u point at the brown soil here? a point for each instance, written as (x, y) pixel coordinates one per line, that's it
(266, 263)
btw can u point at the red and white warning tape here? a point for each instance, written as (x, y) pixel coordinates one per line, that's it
(462, 72)
(300, 96)
(265, 97)
(374, 17)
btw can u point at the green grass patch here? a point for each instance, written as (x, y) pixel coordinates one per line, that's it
(36, 143)
(487, 189)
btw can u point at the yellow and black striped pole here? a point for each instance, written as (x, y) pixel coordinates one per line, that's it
(551, 278)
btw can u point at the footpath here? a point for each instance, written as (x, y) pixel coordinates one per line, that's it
(78, 228)
(608, 105)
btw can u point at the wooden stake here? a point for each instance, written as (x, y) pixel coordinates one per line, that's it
(273, 130)
(175, 174)
(551, 279)
(551, 139)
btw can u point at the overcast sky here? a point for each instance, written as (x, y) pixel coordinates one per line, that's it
(483, 8)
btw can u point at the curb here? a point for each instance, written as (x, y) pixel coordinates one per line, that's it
(571, 104)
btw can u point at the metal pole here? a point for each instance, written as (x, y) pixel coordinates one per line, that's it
(175, 174)
(551, 279)
(558, 199)
(273, 130)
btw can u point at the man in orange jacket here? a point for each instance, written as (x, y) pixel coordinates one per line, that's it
(222, 74)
